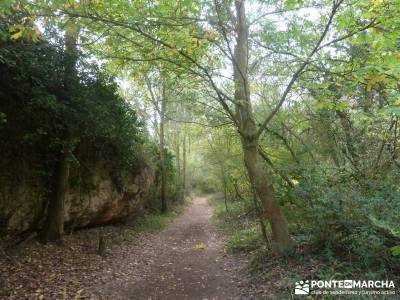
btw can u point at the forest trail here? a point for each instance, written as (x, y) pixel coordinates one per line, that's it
(138, 265)
(181, 271)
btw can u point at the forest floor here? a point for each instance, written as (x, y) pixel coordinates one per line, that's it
(187, 260)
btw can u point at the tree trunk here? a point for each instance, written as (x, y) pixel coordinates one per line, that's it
(178, 153)
(259, 177)
(102, 248)
(178, 161)
(260, 215)
(162, 152)
(53, 229)
(349, 137)
(250, 143)
(225, 186)
(184, 166)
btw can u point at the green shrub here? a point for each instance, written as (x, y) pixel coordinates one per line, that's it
(350, 223)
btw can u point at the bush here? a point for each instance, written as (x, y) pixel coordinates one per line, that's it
(347, 222)
(39, 116)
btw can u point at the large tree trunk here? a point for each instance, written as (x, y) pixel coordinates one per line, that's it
(250, 143)
(162, 153)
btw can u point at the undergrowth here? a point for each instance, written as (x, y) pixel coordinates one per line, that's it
(359, 251)
(234, 221)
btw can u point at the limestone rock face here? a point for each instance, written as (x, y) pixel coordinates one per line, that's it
(22, 203)
(105, 203)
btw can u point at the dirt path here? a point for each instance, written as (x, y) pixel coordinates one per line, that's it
(164, 265)
(181, 271)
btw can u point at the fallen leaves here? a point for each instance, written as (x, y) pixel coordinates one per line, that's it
(72, 271)
(200, 246)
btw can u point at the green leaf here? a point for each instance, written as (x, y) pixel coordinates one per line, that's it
(395, 251)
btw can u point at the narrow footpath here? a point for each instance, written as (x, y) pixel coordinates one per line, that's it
(187, 261)
(184, 269)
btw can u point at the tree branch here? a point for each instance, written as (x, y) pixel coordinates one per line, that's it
(299, 71)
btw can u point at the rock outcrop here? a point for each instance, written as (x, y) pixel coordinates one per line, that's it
(23, 201)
